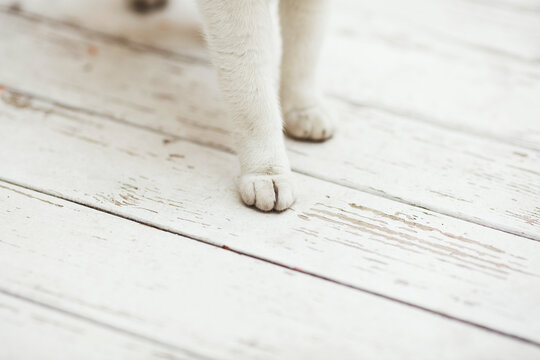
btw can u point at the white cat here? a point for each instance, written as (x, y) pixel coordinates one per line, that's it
(240, 36)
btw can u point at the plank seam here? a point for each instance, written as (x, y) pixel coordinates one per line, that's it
(274, 263)
(364, 189)
(109, 38)
(432, 208)
(416, 117)
(192, 59)
(104, 325)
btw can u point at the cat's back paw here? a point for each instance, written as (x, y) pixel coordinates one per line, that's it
(267, 192)
(313, 123)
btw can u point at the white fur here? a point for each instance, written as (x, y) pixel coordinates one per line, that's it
(240, 35)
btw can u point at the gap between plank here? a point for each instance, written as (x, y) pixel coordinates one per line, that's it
(192, 59)
(507, 6)
(360, 188)
(416, 117)
(104, 325)
(255, 257)
(119, 40)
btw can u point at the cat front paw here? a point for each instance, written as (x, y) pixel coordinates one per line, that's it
(267, 192)
(313, 123)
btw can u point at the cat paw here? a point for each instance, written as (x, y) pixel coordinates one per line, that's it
(267, 192)
(313, 123)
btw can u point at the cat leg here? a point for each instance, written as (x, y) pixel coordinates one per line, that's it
(303, 26)
(239, 35)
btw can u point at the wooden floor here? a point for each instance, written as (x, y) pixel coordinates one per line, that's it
(416, 234)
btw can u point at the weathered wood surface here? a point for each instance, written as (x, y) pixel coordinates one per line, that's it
(178, 27)
(199, 299)
(376, 150)
(438, 115)
(31, 331)
(469, 65)
(443, 264)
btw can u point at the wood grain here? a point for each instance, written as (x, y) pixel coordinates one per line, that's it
(118, 119)
(377, 150)
(384, 247)
(32, 331)
(211, 303)
(466, 65)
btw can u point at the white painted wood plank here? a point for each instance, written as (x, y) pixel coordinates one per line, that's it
(471, 65)
(174, 29)
(441, 263)
(465, 66)
(29, 331)
(177, 28)
(375, 151)
(210, 302)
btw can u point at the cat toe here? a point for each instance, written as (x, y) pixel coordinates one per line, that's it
(313, 123)
(267, 192)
